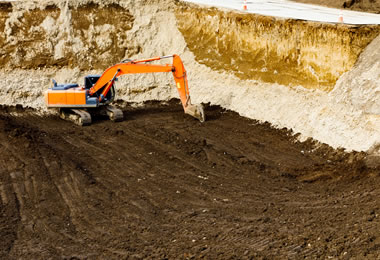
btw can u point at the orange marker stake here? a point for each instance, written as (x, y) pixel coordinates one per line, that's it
(245, 8)
(340, 18)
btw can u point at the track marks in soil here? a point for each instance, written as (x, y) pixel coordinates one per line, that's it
(163, 185)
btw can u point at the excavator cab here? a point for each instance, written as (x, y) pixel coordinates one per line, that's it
(90, 80)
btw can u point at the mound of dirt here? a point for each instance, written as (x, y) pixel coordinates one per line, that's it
(161, 185)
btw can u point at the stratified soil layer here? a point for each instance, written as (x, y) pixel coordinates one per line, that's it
(162, 185)
(88, 35)
(289, 52)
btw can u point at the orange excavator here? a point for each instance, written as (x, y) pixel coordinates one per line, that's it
(77, 103)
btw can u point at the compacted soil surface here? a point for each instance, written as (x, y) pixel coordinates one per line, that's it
(161, 185)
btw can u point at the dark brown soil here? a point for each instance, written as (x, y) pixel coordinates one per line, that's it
(370, 6)
(161, 185)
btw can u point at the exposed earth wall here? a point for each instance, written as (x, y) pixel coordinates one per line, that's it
(277, 70)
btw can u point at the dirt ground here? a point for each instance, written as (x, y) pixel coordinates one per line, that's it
(161, 185)
(370, 6)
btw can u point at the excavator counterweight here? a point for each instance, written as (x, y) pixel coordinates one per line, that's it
(77, 103)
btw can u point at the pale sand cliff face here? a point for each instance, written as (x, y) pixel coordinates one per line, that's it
(287, 71)
(284, 51)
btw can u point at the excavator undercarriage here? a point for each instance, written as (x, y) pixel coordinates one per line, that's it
(83, 117)
(78, 103)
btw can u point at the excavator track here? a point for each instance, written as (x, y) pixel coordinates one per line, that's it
(114, 114)
(79, 116)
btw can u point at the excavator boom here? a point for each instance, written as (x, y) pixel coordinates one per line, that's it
(98, 94)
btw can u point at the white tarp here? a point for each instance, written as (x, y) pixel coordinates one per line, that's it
(287, 9)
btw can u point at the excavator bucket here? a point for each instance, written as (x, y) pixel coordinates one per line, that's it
(196, 111)
(180, 78)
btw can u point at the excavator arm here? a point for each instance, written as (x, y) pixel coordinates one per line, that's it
(107, 79)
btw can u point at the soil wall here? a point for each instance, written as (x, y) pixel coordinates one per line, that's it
(284, 51)
(85, 37)
(93, 36)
